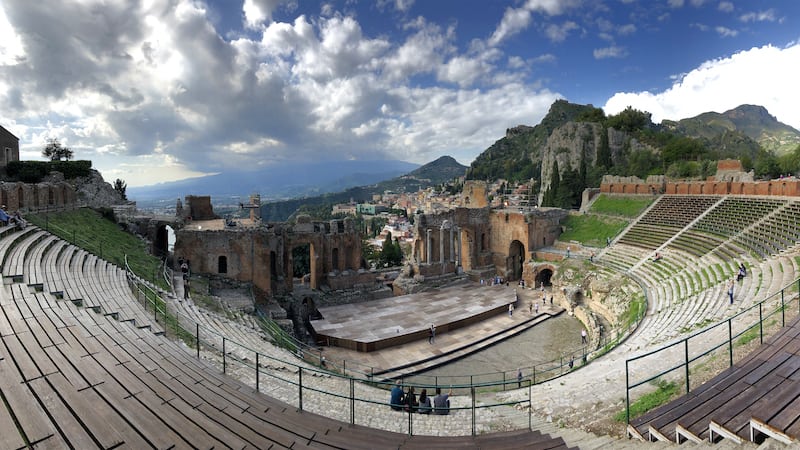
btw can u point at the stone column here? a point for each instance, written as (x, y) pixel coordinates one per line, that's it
(452, 245)
(441, 245)
(458, 247)
(428, 246)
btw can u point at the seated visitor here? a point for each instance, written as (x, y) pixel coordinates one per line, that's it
(410, 400)
(4, 218)
(424, 402)
(742, 272)
(396, 398)
(19, 221)
(441, 403)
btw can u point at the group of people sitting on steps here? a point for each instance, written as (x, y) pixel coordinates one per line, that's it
(407, 401)
(15, 219)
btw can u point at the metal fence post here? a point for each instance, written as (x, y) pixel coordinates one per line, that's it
(760, 323)
(627, 396)
(352, 402)
(224, 361)
(257, 389)
(300, 387)
(530, 406)
(730, 342)
(472, 392)
(410, 422)
(197, 339)
(783, 310)
(686, 356)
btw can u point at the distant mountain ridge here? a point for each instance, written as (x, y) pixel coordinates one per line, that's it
(286, 180)
(441, 170)
(575, 145)
(753, 121)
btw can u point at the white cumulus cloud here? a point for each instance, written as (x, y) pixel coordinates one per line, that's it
(763, 76)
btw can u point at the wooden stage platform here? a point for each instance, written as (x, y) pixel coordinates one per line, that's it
(379, 324)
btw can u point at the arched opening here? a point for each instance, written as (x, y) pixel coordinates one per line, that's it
(301, 260)
(51, 197)
(222, 264)
(543, 278)
(21, 197)
(273, 265)
(304, 265)
(434, 248)
(516, 256)
(309, 309)
(484, 242)
(161, 241)
(335, 259)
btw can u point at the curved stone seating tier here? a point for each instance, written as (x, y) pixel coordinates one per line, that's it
(71, 377)
(756, 396)
(14, 258)
(677, 210)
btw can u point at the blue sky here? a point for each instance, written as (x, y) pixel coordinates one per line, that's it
(159, 90)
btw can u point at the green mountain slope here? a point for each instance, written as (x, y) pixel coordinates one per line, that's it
(752, 121)
(517, 156)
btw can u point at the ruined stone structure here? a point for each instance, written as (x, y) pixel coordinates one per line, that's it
(9, 147)
(37, 197)
(473, 195)
(482, 241)
(262, 253)
(730, 180)
(197, 208)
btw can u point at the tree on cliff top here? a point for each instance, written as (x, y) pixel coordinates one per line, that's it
(55, 151)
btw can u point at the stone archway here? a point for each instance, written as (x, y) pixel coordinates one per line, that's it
(516, 257)
(543, 277)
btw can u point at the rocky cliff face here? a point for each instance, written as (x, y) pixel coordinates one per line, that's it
(93, 191)
(576, 143)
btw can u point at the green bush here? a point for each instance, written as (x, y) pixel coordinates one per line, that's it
(72, 169)
(28, 171)
(35, 171)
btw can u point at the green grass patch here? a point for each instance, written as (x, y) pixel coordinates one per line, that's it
(636, 309)
(89, 230)
(665, 391)
(590, 229)
(620, 206)
(748, 336)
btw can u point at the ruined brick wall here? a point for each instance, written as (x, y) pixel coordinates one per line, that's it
(198, 207)
(473, 195)
(25, 197)
(499, 238)
(263, 255)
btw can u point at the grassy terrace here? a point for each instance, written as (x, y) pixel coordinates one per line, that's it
(590, 229)
(622, 206)
(88, 229)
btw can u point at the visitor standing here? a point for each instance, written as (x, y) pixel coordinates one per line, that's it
(431, 334)
(583, 337)
(730, 290)
(510, 309)
(519, 377)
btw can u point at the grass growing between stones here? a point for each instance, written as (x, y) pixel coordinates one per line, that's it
(665, 391)
(620, 206)
(590, 229)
